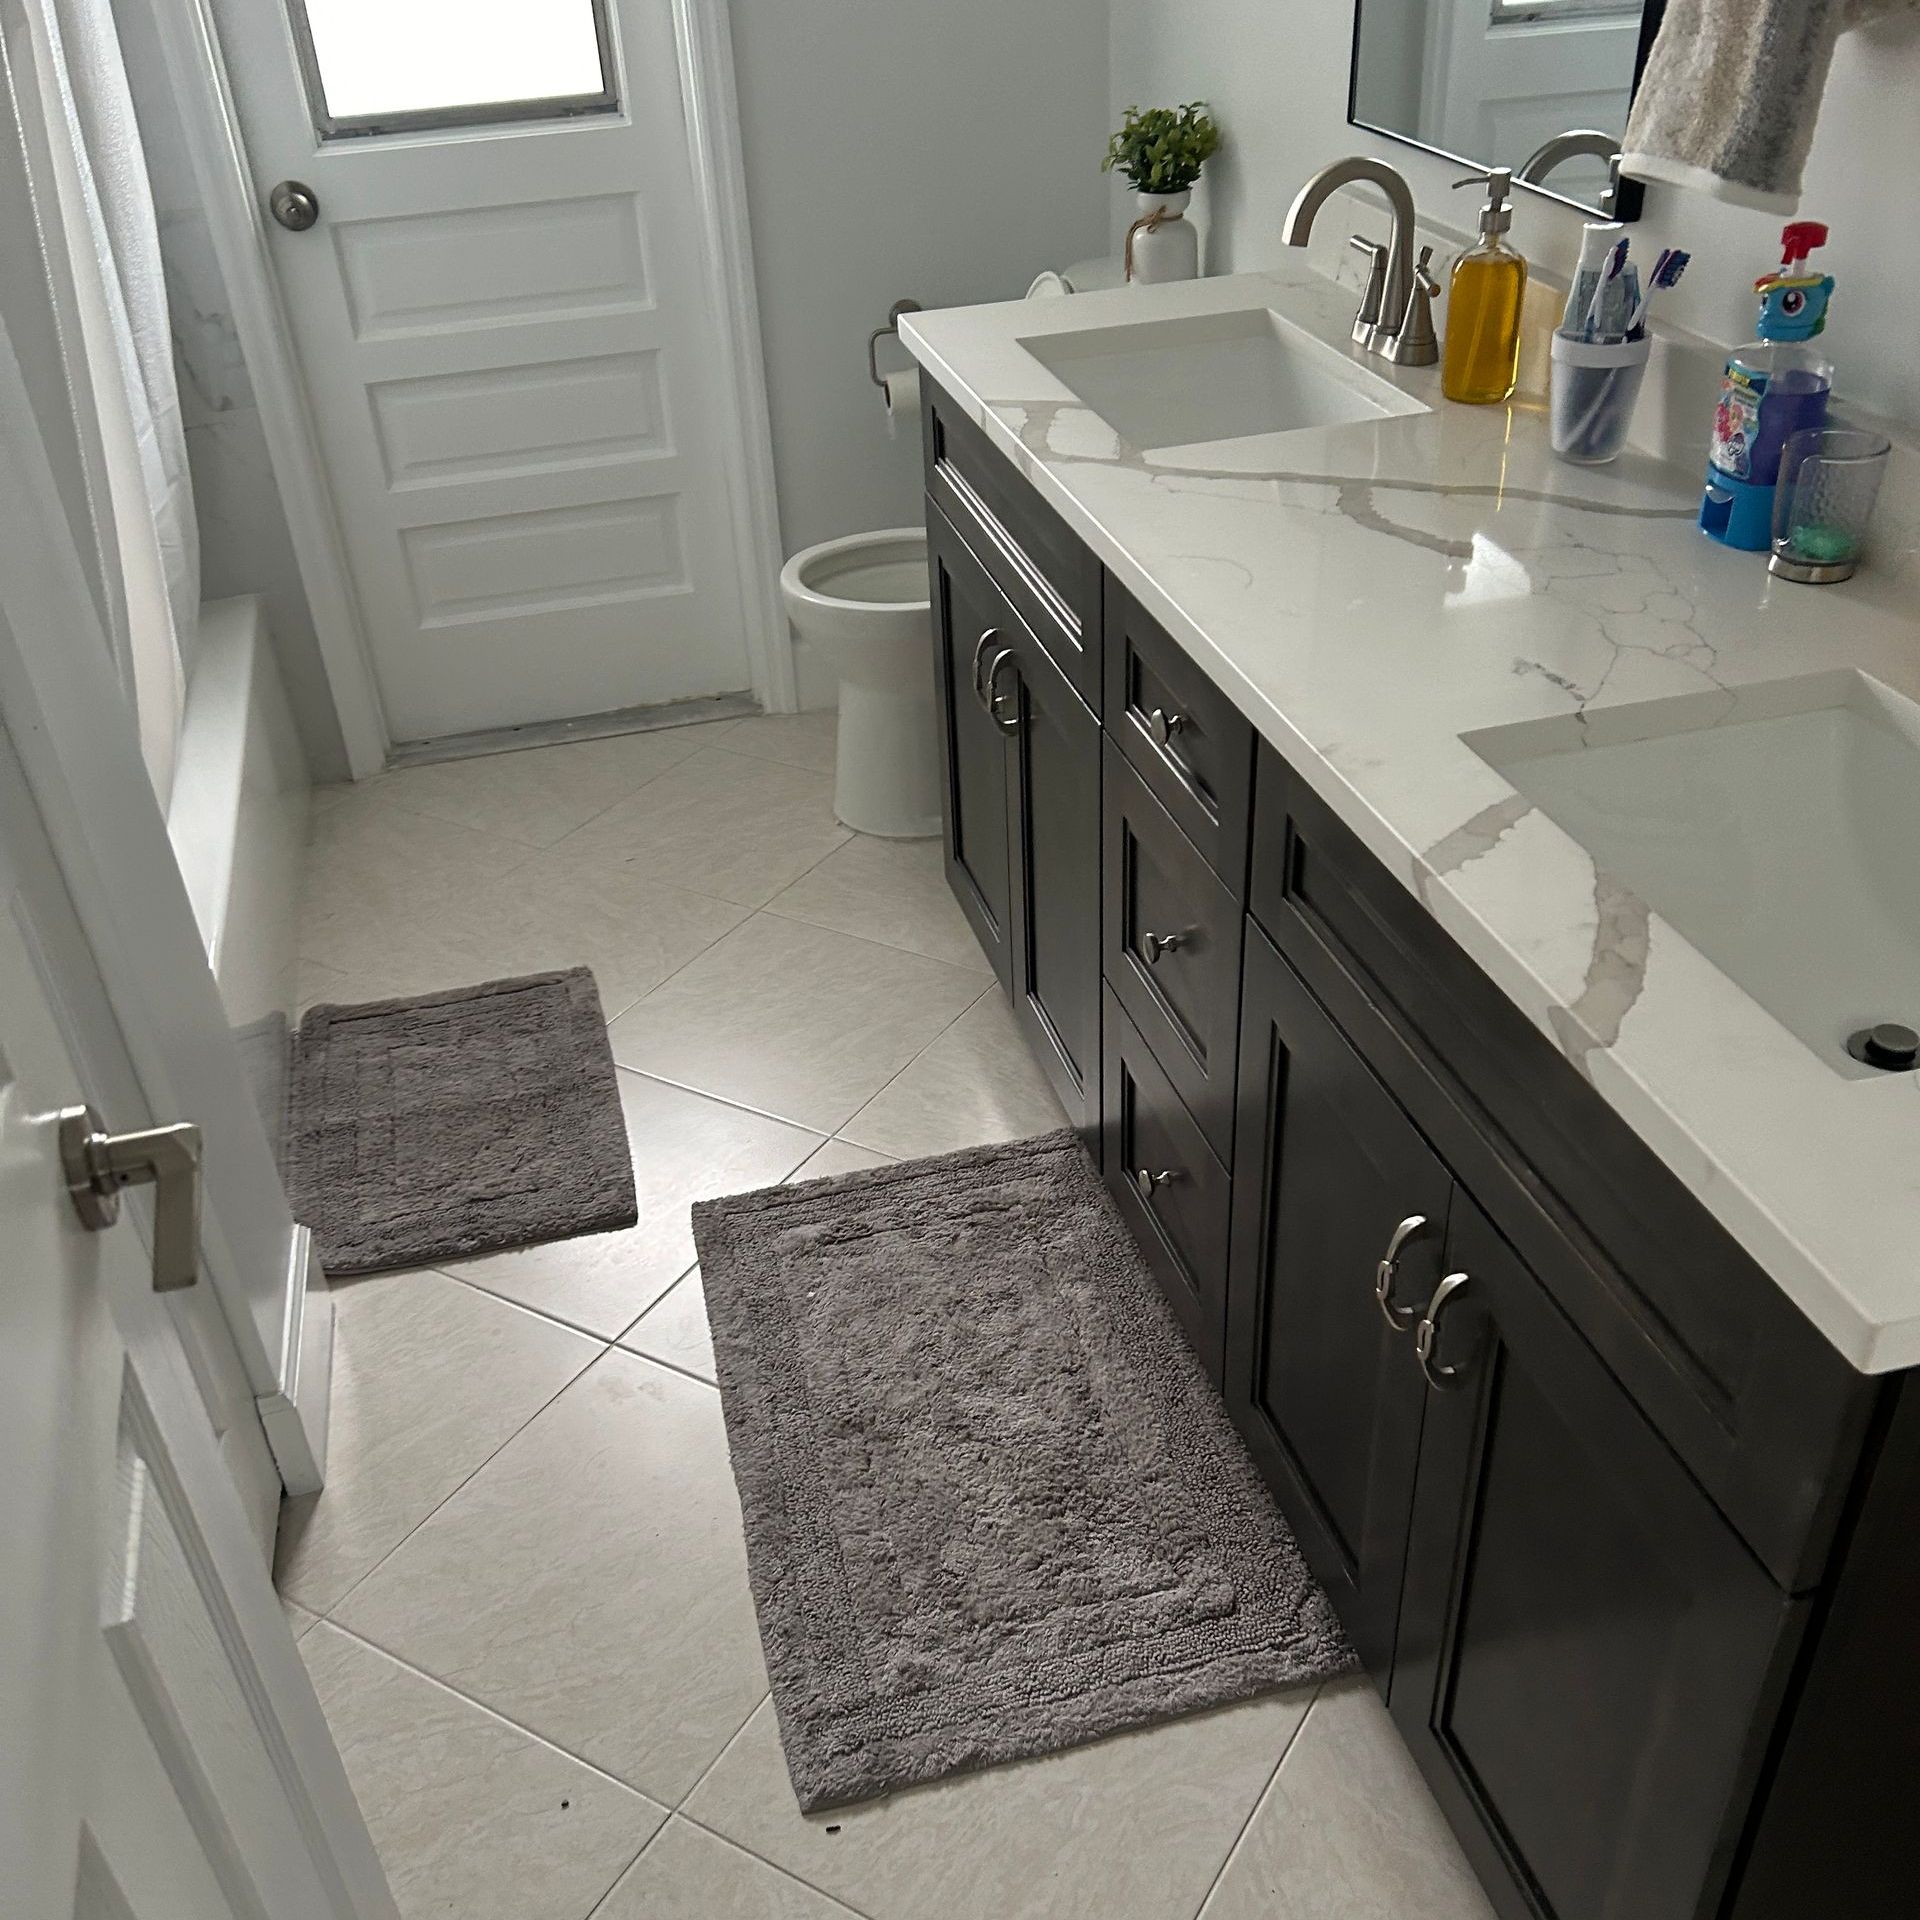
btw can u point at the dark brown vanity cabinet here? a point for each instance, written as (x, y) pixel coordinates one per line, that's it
(1589, 1660)
(1021, 814)
(1620, 1537)
(1340, 1217)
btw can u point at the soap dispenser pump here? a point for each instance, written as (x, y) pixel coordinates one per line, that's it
(1484, 299)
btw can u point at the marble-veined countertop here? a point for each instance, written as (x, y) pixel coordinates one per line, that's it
(1367, 594)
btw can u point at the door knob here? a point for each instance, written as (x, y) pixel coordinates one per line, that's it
(295, 205)
(1147, 1184)
(98, 1164)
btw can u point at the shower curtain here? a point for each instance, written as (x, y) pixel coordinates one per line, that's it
(114, 238)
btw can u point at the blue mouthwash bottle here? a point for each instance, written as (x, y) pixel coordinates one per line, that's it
(1773, 388)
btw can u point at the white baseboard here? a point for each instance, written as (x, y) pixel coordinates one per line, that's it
(294, 1416)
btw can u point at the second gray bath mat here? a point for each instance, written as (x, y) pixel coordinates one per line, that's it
(448, 1124)
(993, 1505)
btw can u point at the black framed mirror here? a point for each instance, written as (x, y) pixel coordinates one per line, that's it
(1538, 86)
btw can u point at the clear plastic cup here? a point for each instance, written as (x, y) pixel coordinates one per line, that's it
(1829, 480)
(1593, 387)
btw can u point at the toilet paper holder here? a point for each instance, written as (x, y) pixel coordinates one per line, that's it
(880, 333)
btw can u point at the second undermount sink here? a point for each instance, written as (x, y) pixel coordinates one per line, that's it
(1170, 384)
(1774, 831)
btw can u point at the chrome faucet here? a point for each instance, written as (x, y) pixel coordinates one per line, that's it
(1576, 143)
(1396, 315)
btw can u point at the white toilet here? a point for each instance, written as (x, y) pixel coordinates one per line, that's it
(863, 602)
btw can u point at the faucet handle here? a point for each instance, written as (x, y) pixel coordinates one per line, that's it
(1414, 345)
(1367, 321)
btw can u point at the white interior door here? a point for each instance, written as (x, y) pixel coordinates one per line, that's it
(1512, 73)
(164, 1757)
(504, 321)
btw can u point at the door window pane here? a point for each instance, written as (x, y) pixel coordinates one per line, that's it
(388, 65)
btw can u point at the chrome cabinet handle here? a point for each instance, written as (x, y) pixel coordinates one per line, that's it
(1001, 720)
(98, 1164)
(1153, 945)
(1147, 1184)
(979, 654)
(1163, 725)
(1400, 1319)
(1426, 1336)
(295, 205)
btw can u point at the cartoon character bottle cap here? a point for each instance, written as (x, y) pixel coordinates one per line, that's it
(1793, 298)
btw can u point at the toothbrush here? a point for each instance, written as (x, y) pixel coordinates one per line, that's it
(1667, 270)
(1616, 259)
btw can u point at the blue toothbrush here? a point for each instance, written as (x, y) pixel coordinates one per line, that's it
(1667, 270)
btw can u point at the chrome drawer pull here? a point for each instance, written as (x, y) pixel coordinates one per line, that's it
(1426, 1336)
(1148, 1184)
(1153, 945)
(1006, 723)
(979, 656)
(1400, 1319)
(1164, 724)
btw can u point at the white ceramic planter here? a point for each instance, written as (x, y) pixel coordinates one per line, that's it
(1169, 251)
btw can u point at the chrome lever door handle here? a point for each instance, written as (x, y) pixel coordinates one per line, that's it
(1427, 1335)
(98, 1165)
(1400, 1319)
(295, 205)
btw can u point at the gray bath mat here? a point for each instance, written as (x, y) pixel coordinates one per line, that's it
(993, 1506)
(456, 1123)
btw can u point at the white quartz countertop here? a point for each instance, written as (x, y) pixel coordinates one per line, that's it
(1369, 593)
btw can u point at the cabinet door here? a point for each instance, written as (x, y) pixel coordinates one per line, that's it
(1587, 1652)
(970, 622)
(1320, 1377)
(1055, 813)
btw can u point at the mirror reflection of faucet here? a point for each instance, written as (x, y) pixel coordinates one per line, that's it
(1396, 315)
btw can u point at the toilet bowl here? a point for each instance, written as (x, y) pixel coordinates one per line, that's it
(862, 601)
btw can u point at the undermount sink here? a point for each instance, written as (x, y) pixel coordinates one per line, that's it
(1774, 831)
(1170, 384)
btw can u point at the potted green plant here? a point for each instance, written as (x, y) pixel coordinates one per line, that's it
(1161, 151)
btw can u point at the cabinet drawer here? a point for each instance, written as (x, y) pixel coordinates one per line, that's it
(1170, 948)
(1765, 1413)
(1171, 1191)
(1035, 559)
(1186, 739)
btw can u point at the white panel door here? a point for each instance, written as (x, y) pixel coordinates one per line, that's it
(1506, 84)
(507, 338)
(162, 1755)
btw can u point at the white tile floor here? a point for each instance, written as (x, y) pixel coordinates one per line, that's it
(523, 1595)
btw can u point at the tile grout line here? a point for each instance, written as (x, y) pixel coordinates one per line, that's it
(1259, 1801)
(507, 1720)
(714, 1833)
(991, 986)
(606, 1346)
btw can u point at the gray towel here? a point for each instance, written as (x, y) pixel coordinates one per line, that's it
(1728, 100)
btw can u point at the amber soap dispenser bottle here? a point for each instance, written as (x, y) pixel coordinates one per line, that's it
(1484, 299)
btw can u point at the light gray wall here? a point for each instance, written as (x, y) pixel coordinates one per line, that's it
(1276, 77)
(940, 150)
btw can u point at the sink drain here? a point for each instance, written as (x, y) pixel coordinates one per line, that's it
(1889, 1046)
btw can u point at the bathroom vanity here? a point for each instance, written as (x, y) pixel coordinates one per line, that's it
(1562, 1285)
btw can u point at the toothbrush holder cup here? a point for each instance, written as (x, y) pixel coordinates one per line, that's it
(1591, 397)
